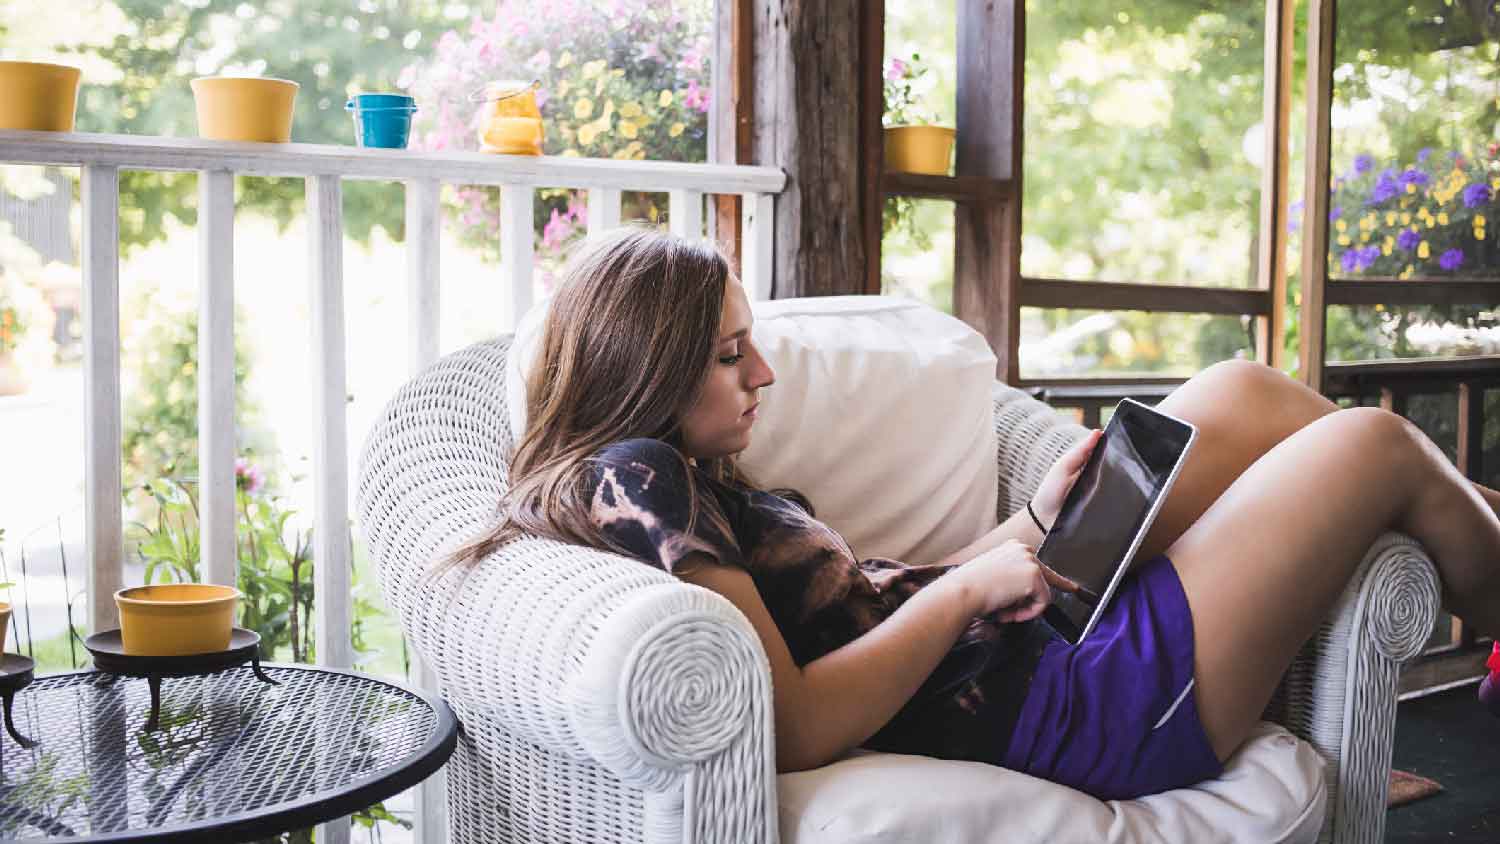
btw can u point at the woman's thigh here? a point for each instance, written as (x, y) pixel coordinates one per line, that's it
(1263, 565)
(1241, 409)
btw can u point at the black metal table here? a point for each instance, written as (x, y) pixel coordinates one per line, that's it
(233, 758)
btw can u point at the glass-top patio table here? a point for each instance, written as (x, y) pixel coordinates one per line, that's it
(232, 759)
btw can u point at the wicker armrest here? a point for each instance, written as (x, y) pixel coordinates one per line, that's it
(1340, 692)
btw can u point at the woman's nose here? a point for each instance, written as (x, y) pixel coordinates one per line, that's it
(762, 374)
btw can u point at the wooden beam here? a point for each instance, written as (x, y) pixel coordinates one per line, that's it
(1471, 430)
(1320, 18)
(1280, 54)
(872, 139)
(955, 188)
(806, 122)
(987, 235)
(1132, 296)
(1391, 291)
(733, 110)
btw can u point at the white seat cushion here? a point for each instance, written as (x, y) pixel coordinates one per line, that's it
(1271, 791)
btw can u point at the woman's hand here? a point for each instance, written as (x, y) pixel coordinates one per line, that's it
(1049, 496)
(1008, 582)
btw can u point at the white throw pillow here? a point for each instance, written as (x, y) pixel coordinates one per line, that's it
(881, 414)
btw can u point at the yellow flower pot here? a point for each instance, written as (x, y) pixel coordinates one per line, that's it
(176, 619)
(38, 95)
(4, 623)
(918, 149)
(236, 108)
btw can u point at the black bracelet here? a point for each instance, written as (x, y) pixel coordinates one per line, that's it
(1039, 525)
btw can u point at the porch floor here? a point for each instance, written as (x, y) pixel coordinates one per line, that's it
(1449, 737)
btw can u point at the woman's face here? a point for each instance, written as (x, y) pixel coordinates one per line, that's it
(719, 423)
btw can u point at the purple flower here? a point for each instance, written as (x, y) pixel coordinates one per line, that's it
(1452, 259)
(1413, 176)
(1367, 256)
(1476, 195)
(1337, 211)
(1423, 154)
(1294, 216)
(1357, 260)
(1364, 163)
(1386, 187)
(1408, 239)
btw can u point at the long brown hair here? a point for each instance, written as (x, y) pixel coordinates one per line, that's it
(625, 349)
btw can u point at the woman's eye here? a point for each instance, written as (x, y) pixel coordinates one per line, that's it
(731, 360)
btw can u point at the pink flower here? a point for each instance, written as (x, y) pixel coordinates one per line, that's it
(556, 231)
(695, 97)
(895, 70)
(248, 476)
(539, 63)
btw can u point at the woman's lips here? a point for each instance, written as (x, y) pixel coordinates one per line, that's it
(751, 413)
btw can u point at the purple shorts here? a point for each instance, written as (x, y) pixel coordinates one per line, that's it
(1115, 716)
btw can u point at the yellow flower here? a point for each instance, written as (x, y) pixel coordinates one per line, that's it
(1390, 218)
(584, 108)
(564, 87)
(1387, 245)
(1340, 225)
(588, 132)
(1479, 221)
(665, 99)
(1430, 221)
(1478, 234)
(1367, 222)
(1411, 187)
(1495, 183)
(676, 129)
(1380, 307)
(628, 129)
(1344, 240)
(630, 110)
(617, 72)
(1406, 219)
(570, 153)
(1406, 273)
(1423, 250)
(1364, 237)
(620, 154)
(1442, 218)
(593, 68)
(565, 59)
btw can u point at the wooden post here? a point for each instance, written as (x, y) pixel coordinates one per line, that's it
(1315, 210)
(987, 235)
(807, 122)
(1270, 334)
(732, 114)
(872, 139)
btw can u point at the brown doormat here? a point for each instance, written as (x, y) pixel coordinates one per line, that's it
(1406, 788)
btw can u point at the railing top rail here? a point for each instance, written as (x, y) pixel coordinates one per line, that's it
(139, 152)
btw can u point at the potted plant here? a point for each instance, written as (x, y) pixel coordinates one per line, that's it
(913, 144)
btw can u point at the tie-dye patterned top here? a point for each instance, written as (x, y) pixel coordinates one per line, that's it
(819, 594)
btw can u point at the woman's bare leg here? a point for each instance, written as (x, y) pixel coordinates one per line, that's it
(1266, 561)
(1242, 409)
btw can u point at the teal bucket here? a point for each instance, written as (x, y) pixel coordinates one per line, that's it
(382, 120)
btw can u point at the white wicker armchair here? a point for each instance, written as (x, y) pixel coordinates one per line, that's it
(605, 701)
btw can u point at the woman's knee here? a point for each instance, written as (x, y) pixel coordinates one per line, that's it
(1378, 435)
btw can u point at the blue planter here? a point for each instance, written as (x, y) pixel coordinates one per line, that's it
(382, 120)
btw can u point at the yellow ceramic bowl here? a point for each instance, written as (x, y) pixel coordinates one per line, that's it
(176, 619)
(236, 108)
(918, 149)
(37, 95)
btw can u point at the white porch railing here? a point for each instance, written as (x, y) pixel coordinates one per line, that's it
(324, 168)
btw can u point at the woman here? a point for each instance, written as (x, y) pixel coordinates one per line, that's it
(646, 385)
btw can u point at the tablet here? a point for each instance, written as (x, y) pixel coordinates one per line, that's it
(1108, 510)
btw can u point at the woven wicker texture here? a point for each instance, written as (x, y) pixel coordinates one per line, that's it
(605, 701)
(228, 745)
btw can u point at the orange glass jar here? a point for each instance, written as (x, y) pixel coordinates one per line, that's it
(510, 123)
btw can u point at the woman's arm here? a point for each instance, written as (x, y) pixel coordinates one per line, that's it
(839, 700)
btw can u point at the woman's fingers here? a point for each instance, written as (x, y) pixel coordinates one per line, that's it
(1080, 453)
(1057, 581)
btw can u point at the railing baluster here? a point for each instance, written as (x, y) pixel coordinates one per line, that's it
(103, 529)
(758, 215)
(685, 213)
(423, 250)
(516, 247)
(423, 236)
(331, 595)
(216, 376)
(604, 210)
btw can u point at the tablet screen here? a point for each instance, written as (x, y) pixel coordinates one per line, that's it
(1109, 509)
